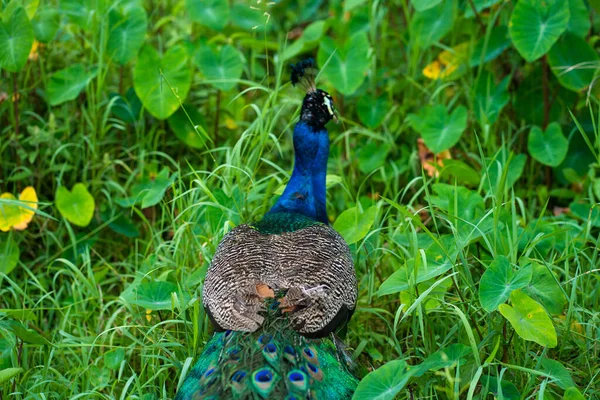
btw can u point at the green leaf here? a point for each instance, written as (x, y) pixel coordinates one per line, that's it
(113, 358)
(459, 172)
(9, 255)
(550, 147)
(45, 24)
(431, 25)
(573, 393)
(153, 91)
(224, 65)
(579, 21)
(559, 375)
(384, 382)
(497, 168)
(480, 5)
(150, 191)
(498, 41)
(77, 205)
(439, 129)
(353, 226)
(155, 295)
(84, 13)
(16, 39)
(211, 13)
(9, 373)
(250, 19)
(350, 5)
(529, 319)
(509, 390)
(586, 212)
(66, 84)
(348, 64)
(422, 5)
(127, 26)
(26, 335)
(448, 357)
(498, 282)
(573, 62)
(184, 129)
(490, 98)
(308, 41)
(372, 156)
(121, 225)
(371, 112)
(544, 289)
(535, 25)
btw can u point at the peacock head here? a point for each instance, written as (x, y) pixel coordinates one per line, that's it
(317, 107)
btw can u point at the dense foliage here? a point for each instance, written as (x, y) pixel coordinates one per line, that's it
(135, 134)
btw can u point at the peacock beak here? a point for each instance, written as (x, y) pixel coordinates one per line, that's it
(335, 118)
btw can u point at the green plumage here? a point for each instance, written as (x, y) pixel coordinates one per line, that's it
(274, 362)
(278, 222)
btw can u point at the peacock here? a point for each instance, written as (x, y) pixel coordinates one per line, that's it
(278, 289)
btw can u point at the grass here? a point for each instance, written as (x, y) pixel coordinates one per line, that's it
(73, 281)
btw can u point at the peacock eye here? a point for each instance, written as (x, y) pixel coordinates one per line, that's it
(329, 104)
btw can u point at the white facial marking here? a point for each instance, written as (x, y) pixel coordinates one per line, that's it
(327, 102)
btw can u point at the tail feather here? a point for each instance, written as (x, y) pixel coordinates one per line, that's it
(272, 363)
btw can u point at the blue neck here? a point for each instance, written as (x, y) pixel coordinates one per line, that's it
(305, 192)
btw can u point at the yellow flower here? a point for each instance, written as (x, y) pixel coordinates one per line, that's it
(17, 216)
(448, 62)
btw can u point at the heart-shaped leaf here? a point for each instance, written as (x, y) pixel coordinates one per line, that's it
(509, 390)
(155, 295)
(579, 21)
(77, 205)
(558, 373)
(127, 26)
(223, 66)
(185, 130)
(573, 393)
(9, 255)
(66, 84)
(498, 282)
(384, 382)
(353, 225)
(113, 358)
(431, 25)
(490, 98)
(16, 39)
(570, 59)
(371, 112)
(496, 168)
(487, 49)
(149, 85)
(535, 25)
(529, 319)
(439, 129)
(17, 214)
(544, 288)
(550, 147)
(45, 24)
(211, 13)
(348, 63)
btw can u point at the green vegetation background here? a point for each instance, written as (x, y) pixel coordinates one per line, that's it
(463, 174)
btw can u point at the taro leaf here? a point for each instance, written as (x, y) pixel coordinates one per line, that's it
(573, 61)
(127, 108)
(224, 65)
(444, 358)
(6, 348)
(249, 18)
(439, 129)
(459, 172)
(498, 282)
(84, 12)
(353, 225)
(149, 191)
(122, 224)
(45, 24)
(30, 7)
(66, 84)
(586, 213)
(16, 39)
(308, 41)
(31, 337)
(550, 147)
(498, 41)
(184, 129)
(371, 112)
(77, 205)
(154, 92)
(422, 5)
(127, 26)
(9, 255)
(113, 358)
(535, 25)
(348, 64)
(155, 295)
(431, 25)
(579, 21)
(372, 156)
(496, 169)
(480, 5)
(490, 98)
(211, 13)
(384, 382)
(529, 319)
(509, 390)
(9, 373)
(558, 373)
(573, 393)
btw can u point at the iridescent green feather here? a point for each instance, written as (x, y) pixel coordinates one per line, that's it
(273, 363)
(277, 223)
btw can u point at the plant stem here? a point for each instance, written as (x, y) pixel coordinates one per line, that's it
(121, 80)
(479, 20)
(217, 116)
(547, 105)
(16, 104)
